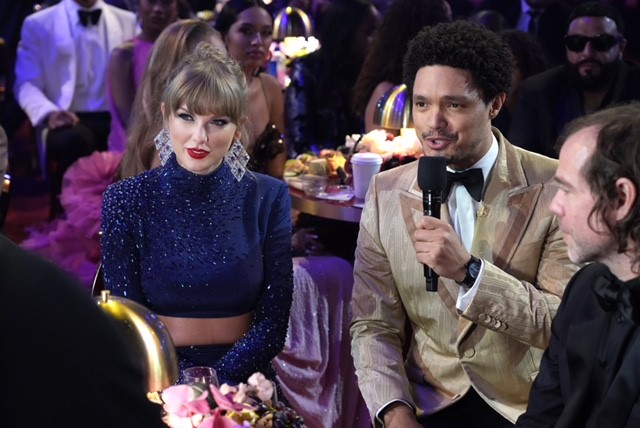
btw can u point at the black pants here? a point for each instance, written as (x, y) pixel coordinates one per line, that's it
(470, 411)
(65, 145)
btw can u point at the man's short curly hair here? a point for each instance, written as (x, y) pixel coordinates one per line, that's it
(463, 45)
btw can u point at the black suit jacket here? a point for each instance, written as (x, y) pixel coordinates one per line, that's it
(548, 101)
(557, 397)
(64, 362)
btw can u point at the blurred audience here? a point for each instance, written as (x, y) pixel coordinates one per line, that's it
(528, 59)
(129, 61)
(490, 19)
(318, 104)
(382, 67)
(543, 19)
(246, 27)
(60, 79)
(594, 76)
(630, 9)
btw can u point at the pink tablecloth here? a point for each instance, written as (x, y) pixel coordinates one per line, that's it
(316, 369)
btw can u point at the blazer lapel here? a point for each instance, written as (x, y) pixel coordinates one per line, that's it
(66, 54)
(114, 38)
(506, 209)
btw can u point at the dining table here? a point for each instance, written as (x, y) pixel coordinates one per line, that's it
(325, 207)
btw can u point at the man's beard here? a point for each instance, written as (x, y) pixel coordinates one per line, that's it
(594, 82)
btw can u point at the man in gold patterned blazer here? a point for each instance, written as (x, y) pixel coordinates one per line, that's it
(466, 355)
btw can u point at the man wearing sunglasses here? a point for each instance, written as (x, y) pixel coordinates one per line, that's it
(593, 77)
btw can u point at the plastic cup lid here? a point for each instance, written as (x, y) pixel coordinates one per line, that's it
(366, 158)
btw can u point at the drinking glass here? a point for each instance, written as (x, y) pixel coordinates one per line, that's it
(200, 374)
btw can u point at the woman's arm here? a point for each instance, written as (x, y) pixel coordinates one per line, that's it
(275, 166)
(120, 82)
(120, 257)
(267, 334)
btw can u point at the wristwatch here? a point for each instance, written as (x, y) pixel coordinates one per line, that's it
(472, 270)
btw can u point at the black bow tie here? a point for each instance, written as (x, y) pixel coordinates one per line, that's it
(89, 17)
(472, 179)
(613, 293)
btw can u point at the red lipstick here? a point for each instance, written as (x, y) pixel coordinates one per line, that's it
(197, 153)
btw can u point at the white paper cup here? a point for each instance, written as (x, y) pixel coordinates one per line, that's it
(363, 167)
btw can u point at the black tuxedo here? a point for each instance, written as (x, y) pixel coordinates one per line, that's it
(64, 363)
(549, 100)
(561, 395)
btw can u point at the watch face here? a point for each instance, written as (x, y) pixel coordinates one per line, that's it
(474, 268)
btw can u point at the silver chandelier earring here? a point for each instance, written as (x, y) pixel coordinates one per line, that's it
(163, 145)
(237, 159)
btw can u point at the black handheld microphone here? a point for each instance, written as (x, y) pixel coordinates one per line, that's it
(432, 179)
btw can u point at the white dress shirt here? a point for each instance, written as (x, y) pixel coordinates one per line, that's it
(92, 58)
(463, 211)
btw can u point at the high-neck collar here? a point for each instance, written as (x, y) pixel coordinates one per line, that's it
(192, 183)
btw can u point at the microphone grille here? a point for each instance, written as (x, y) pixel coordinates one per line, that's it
(432, 173)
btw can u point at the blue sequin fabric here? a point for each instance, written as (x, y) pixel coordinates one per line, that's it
(187, 245)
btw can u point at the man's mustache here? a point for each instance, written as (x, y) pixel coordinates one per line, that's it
(589, 61)
(436, 135)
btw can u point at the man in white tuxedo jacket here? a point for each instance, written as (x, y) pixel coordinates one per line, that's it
(60, 78)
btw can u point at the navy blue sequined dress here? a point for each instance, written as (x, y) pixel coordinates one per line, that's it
(187, 245)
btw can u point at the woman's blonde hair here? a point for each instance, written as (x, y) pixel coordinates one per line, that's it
(173, 44)
(209, 82)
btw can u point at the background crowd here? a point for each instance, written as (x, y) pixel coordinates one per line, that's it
(176, 118)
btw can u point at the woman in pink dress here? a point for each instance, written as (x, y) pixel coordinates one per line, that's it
(128, 63)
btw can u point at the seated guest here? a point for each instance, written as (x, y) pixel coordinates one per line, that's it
(246, 27)
(128, 63)
(593, 77)
(60, 348)
(466, 352)
(60, 78)
(173, 44)
(590, 373)
(318, 107)
(382, 67)
(200, 241)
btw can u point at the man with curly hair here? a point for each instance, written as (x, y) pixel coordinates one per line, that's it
(467, 354)
(590, 376)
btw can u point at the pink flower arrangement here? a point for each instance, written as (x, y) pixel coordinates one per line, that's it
(248, 405)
